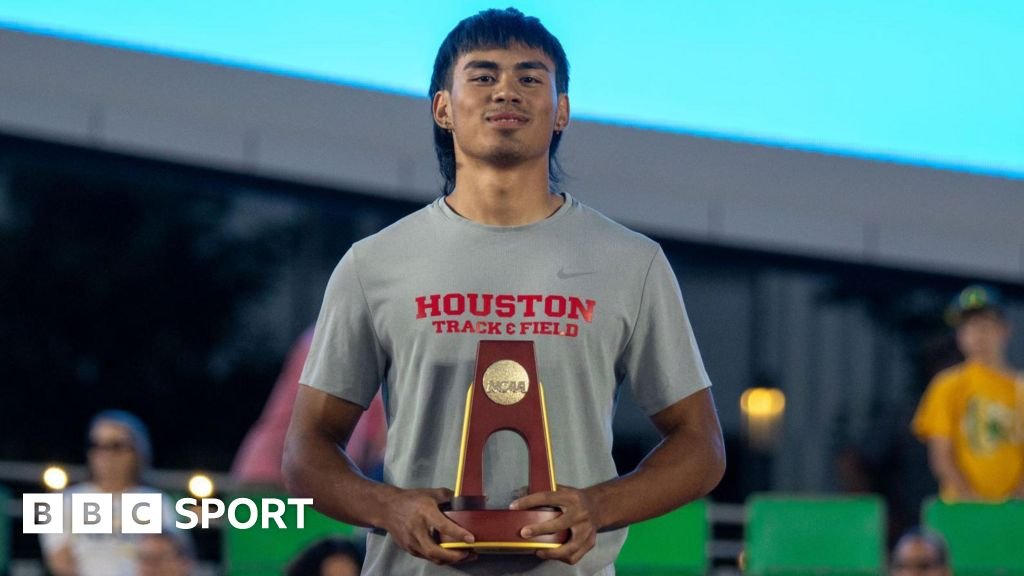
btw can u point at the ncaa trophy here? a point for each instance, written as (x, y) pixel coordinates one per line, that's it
(505, 395)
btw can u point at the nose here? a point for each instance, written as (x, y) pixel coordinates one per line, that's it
(506, 90)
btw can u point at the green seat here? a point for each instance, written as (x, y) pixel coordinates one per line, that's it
(675, 543)
(796, 536)
(983, 538)
(266, 552)
(5, 531)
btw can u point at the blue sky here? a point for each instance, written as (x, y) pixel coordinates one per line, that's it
(931, 82)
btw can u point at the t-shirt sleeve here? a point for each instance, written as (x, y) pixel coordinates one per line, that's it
(345, 358)
(661, 362)
(934, 415)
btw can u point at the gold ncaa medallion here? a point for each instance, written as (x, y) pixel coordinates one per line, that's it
(506, 382)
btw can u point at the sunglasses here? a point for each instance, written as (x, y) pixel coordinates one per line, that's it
(918, 566)
(115, 446)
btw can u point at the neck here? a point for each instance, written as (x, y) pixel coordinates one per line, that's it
(994, 360)
(501, 196)
(113, 487)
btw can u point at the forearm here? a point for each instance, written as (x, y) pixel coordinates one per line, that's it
(685, 466)
(943, 465)
(61, 562)
(315, 467)
(952, 477)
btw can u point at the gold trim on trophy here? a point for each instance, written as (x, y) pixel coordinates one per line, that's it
(462, 444)
(547, 435)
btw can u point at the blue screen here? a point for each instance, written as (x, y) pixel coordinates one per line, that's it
(934, 83)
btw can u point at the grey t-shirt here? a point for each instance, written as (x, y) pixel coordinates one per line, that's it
(406, 308)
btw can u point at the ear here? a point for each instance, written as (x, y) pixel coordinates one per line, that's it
(442, 109)
(562, 113)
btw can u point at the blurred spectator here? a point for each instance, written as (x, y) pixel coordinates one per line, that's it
(167, 554)
(971, 415)
(920, 553)
(118, 453)
(328, 557)
(258, 462)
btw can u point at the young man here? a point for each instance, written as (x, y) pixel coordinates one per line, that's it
(919, 553)
(501, 256)
(972, 415)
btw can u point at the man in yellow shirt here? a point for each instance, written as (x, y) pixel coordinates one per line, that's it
(972, 415)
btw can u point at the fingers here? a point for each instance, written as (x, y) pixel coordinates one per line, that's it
(429, 550)
(425, 546)
(446, 527)
(533, 501)
(564, 496)
(562, 522)
(441, 495)
(574, 511)
(417, 519)
(576, 516)
(572, 551)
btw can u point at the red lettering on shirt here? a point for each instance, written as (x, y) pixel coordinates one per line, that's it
(474, 313)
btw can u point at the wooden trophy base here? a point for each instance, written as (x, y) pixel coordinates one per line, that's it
(498, 531)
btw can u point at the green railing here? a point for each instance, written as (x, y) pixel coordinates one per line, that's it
(675, 544)
(800, 536)
(983, 539)
(266, 552)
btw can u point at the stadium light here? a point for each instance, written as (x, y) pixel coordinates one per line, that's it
(55, 478)
(200, 486)
(762, 410)
(763, 402)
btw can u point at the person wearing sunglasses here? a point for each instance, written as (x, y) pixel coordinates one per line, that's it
(118, 451)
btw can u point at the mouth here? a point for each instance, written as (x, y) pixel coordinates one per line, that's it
(507, 120)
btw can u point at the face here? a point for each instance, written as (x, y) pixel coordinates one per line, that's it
(917, 557)
(983, 335)
(503, 107)
(112, 455)
(339, 565)
(158, 556)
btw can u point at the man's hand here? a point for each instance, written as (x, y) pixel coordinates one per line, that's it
(944, 465)
(965, 493)
(413, 517)
(579, 516)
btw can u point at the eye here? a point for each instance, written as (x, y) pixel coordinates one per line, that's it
(482, 78)
(530, 80)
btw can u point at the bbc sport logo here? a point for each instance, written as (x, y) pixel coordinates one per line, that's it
(93, 513)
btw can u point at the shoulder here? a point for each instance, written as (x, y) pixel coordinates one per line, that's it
(419, 224)
(949, 379)
(602, 229)
(144, 489)
(389, 245)
(953, 372)
(82, 488)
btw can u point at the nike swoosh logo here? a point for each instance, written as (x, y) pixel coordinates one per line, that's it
(572, 273)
